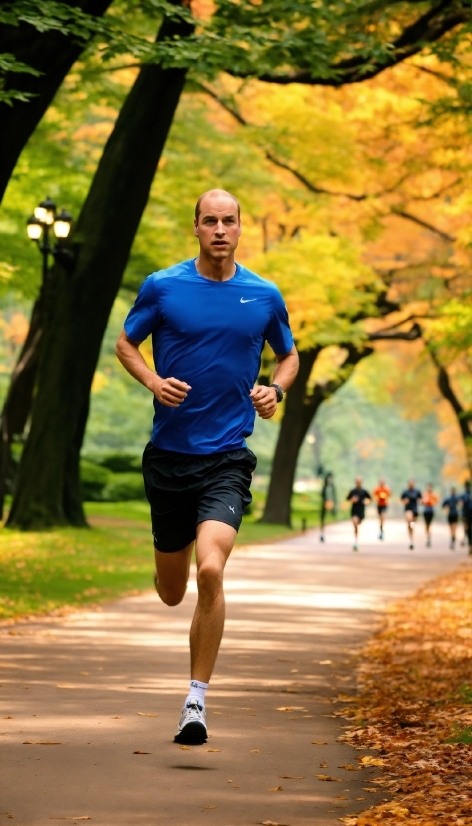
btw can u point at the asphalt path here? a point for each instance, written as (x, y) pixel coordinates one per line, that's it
(90, 701)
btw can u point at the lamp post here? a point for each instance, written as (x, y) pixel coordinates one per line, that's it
(39, 226)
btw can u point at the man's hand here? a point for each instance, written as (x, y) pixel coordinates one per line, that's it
(171, 392)
(264, 400)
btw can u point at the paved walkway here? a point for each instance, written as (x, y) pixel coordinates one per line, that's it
(90, 702)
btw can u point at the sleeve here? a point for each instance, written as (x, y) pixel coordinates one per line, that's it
(278, 332)
(445, 504)
(144, 315)
(349, 496)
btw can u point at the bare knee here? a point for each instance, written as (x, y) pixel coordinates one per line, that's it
(171, 594)
(209, 580)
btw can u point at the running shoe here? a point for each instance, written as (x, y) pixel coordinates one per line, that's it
(354, 547)
(192, 730)
(411, 547)
(321, 538)
(381, 536)
(428, 543)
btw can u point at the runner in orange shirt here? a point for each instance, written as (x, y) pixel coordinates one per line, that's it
(428, 501)
(382, 494)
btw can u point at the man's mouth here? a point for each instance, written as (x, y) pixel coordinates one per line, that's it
(219, 243)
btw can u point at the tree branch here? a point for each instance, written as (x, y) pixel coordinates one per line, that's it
(428, 28)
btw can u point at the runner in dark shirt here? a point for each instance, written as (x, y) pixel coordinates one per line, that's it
(410, 498)
(452, 504)
(466, 508)
(328, 502)
(359, 498)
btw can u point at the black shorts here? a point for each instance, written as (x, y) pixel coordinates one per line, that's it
(184, 490)
(381, 509)
(453, 518)
(359, 512)
(428, 517)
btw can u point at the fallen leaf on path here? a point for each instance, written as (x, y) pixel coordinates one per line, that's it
(146, 714)
(214, 750)
(276, 789)
(243, 708)
(142, 752)
(306, 716)
(185, 748)
(325, 662)
(218, 712)
(350, 768)
(372, 761)
(42, 743)
(115, 718)
(328, 777)
(291, 708)
(272, 823)
(254, 751)
(292, 776)
(8, 718)
(319, 742)
(367, 789)
(83, 817)
(324, 765)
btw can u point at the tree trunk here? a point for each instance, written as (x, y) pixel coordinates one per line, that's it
(51, 53)
(77, 312)
(464, 417)
(300, 409)
(17, 406)
(292, 432)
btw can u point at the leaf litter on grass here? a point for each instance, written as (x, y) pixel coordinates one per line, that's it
(415, 691)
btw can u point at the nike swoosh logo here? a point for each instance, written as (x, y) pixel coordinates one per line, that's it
(247, 300)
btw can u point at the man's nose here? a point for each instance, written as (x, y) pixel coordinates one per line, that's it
(220, 229)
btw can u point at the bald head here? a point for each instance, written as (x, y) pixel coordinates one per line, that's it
(216, 195)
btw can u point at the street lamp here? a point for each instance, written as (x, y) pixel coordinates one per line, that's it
(38, 229)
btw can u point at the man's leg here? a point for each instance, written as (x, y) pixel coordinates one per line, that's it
(355, 522)
(410, 521)
(215, 542)
(172, 572)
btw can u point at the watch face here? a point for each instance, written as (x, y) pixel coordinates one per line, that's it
(278, 391)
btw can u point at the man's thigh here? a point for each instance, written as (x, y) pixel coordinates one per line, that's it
(215, 541)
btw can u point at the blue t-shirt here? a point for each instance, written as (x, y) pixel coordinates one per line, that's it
(413, 495)
(452, 504)
(209, 334)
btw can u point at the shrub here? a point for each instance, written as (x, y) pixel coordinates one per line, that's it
(93, 479)
(121, 487)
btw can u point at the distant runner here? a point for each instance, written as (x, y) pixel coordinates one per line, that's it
(452, 504)
(466, 507)
(410, 498)
(359, 498)
(328, 502)
(382, 494)
(428, 501)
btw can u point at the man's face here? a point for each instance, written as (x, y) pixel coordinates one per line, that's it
(218, 228)
(358, 481)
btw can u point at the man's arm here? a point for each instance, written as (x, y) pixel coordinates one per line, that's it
(264, 398)
(170, 392)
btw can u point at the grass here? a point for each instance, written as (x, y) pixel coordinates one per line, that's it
(46, 571)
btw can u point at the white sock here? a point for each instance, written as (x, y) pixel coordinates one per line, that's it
(197, 692)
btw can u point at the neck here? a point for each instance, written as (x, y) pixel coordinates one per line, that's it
(216, 270)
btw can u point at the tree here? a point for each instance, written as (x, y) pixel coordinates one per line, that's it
(37, 50)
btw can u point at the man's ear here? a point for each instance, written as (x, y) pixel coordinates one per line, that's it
(195, 227)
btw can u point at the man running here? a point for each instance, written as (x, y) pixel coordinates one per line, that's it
(359, 498)
(209, 318)
(410, 498)
(466, 507)
(429, 500)
(382, 494)
(451, 504)
(328, 502)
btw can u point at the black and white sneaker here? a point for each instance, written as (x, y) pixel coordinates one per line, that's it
(192, 730)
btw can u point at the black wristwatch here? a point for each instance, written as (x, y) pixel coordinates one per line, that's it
(279, 392)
